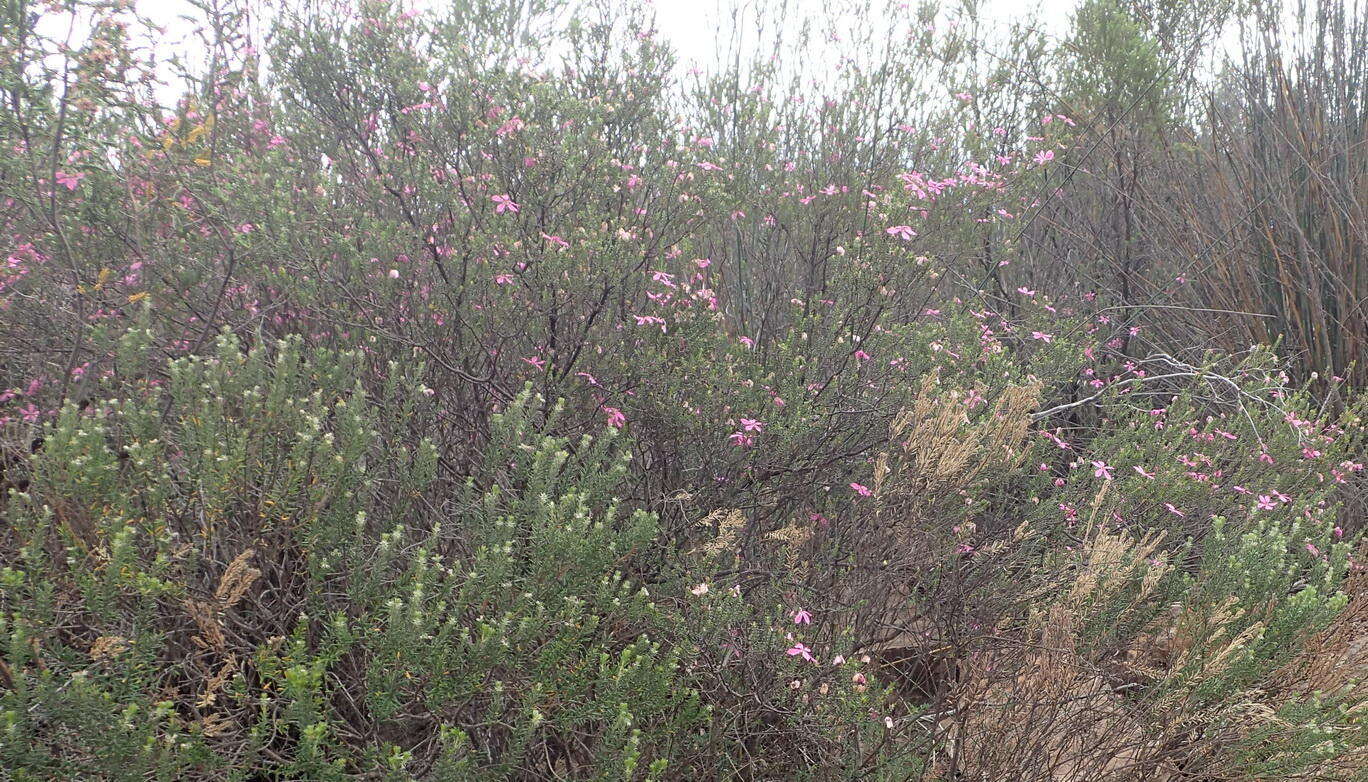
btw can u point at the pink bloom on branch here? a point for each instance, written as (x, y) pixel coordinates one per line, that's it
(615, 417)
(1266, 502)
(752, 425)
(741, 439)
(1102, 470)
(802, 617)
(799, 650)
(504, 203)
(1173, 510)
(1044, 156)
(1042, 336)
(1143, 473)
(71, 181)
(861, 489)
(903, 232)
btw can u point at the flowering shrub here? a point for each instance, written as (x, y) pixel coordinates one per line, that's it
(470, 394)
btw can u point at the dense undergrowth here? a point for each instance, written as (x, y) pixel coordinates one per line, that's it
(470, 394)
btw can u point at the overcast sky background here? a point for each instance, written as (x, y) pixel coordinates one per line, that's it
(689, 25)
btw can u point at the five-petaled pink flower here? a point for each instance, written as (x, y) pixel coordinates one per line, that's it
(802, 617)
(752, 425)
(1266, 502)
(1042, 336)
(504, 203)
(903, 232)
(615, 417)
(799, 650)
(1102, 470)
(861, 489)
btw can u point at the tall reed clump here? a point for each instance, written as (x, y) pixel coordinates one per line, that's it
(1290, 185)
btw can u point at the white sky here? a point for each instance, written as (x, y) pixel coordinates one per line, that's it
(690, 25)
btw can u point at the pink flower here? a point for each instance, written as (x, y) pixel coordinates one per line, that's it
(1312, 550)
(394, 274)
(1143, 473)
(752, 425)
(1042, 336)
(71, 181)
(903, 232)
(503, 279)
(799, 650)
(861, 490)
(504, 203)
(741, 439)
(861, 355)
(1102, 470)
(1173, 510)
(615, 417)
(703, 263)
(802, 617)
(1266, 502)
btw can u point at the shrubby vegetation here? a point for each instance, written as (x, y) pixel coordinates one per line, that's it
(476, 394)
